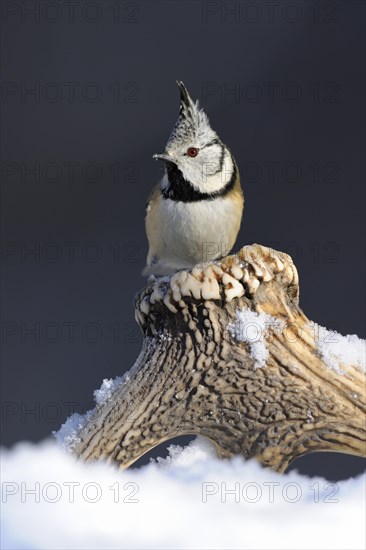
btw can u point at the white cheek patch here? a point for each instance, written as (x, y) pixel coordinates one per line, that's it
(213, 177)
(211, 163)
(209, 172)
(210, 169)
(209, 176)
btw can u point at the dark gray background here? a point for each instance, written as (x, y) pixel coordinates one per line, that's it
(295, 125)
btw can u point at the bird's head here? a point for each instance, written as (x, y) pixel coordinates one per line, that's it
(195, 151)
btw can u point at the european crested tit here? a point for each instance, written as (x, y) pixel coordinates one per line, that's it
(194, 213)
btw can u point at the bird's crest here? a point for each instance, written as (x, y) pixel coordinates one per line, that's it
(192, 123)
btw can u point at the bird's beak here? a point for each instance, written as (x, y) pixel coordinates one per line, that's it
(165, 157)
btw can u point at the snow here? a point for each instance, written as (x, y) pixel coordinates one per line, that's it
(189, 500)
(336, 349)
(67, 435)
(253, 328)
(107, 389)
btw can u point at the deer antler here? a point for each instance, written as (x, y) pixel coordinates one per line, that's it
(228, 354)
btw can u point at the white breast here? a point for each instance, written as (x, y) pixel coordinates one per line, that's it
(198, 231)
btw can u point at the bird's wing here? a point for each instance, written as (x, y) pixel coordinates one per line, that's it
(152, 223)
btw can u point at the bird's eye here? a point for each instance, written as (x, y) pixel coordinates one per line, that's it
(192, 152)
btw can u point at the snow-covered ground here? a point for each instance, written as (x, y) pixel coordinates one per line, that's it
(188, 500)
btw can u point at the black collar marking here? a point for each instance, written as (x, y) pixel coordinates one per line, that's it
(181, 190)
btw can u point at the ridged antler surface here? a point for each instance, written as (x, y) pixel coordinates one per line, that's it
(228, 354)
